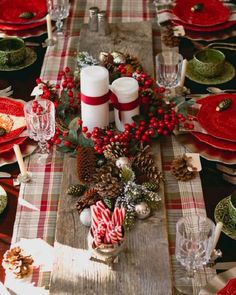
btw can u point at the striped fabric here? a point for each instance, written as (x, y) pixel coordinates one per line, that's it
(43, 192)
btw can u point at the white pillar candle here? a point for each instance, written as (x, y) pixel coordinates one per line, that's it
(94, 82)
(126, 90)
(183, 72)
(218, 230)
(20, 160)
(49, 26)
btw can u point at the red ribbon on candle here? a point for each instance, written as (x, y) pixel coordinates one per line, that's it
(123, 106)
(94, 101)
(110, 96)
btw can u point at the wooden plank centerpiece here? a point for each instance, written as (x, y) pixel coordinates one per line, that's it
(144, 264)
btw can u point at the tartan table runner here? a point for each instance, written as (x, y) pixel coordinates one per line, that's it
(43, 192)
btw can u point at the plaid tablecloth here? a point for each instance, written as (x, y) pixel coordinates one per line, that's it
(43, 192)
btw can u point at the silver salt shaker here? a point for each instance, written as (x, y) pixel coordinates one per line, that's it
(93, 19)
(103, 26)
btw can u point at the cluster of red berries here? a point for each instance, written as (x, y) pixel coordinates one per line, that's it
(37, 108)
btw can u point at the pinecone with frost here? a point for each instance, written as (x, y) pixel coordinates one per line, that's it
(109, 186)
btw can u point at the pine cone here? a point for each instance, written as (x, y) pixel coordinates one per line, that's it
(19, 264)
(89, 198)
(145, 168)
(179, 168)
(109, 186)
(76, 190)
(109, 167)
(133, 62)
(86, 164)
(113, 151)
(168, 38)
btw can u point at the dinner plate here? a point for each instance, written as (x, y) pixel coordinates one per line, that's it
(21, 27)
(206, 151)
(12, 112)
(27, 148)
(222, 215)
(11, 10)
(227, 74)
(7, 146)
(34, 32)
(218, 124)
(30, 58)
(215, 28)
(215, 142)
(214, 12)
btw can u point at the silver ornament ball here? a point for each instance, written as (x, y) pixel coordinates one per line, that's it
(142, 210)
(122, 161)
(85, 217)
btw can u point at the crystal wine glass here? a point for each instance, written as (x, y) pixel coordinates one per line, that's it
(168, 70)
(40, 121)
(58, 10)
(194, 239)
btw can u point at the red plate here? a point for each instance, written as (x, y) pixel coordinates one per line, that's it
(219, 27)
(14, 109)
(8, 27)
(205, 150)
(37, 31)
(218, 124)
(229, 289)
(7, 146)
(10, 10)
(215, 142)
(213, 12)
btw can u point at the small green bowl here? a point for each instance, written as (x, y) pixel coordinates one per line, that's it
(209, 62)
(12, 51)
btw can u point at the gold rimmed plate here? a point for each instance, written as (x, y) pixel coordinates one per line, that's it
(31, 57)
(227, 74)
(222, 214)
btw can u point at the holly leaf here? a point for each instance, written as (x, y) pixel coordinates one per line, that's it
(85, 142)
(64, 149)
(138, 118)
(73, 136)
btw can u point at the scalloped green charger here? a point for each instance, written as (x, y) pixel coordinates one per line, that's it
(222, 214)
(227, 74)
(3, 199)
(30, 58)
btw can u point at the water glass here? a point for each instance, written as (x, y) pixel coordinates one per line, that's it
(194, 239)
(58, 10)
(40, 121)
(168, 69)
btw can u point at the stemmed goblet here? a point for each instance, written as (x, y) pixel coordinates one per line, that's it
(168, 70)
(40, 121)
(194, 239)
(58, 10)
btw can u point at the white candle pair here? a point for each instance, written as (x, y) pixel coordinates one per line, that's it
(94, 86)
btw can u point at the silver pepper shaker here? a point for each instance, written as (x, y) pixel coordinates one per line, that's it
(103, 26)
(93, 19)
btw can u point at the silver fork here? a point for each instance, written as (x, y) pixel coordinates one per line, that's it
(6, 91)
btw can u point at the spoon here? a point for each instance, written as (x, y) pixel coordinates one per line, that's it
(216, 90)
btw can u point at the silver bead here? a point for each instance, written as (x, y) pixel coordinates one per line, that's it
(142, 210)
(118, 57)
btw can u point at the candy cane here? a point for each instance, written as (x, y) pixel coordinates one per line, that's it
(96, 216)
(113, 237)
(118, 230)
(100, 206)
(106, 215)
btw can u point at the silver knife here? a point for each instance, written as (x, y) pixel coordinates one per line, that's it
(5, 175)
(224, 265)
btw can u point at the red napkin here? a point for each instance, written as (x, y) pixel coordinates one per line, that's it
(229, 289)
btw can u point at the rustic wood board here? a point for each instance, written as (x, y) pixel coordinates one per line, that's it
(133, 38)
(143, 267)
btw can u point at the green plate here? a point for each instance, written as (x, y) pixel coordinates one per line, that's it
(222, 214)
(227, 74)
(31, 57)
